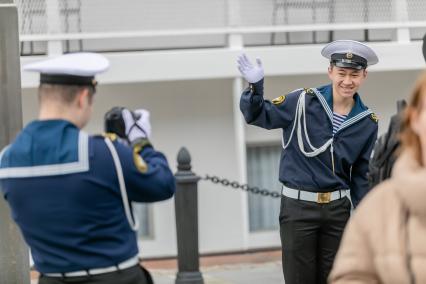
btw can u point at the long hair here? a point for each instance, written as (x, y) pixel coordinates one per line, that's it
(409, 139)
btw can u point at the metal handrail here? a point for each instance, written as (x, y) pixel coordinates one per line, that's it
(224, 31)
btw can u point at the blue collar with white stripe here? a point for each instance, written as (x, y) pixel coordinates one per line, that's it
(327, 92)
(45, 148)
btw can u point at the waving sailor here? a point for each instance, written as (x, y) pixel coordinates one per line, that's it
(328, 136)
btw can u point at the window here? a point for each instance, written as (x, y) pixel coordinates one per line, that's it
(143, 212)
(262, 171)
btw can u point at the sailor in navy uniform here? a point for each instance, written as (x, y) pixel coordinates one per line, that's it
(328, 136)
(70, 193)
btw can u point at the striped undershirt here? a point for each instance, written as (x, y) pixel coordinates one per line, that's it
(337, 121)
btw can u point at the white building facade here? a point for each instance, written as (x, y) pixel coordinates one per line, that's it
(178, 61)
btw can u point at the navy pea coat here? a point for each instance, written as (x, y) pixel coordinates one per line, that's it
(344, 166)
(63, 191)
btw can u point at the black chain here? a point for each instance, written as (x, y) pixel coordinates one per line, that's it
(245, 187)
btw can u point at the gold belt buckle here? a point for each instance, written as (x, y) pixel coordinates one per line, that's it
(323, 197)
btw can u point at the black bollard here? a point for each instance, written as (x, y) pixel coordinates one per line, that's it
(186, 208)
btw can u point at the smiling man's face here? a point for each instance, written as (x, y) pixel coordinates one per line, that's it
(346, 81)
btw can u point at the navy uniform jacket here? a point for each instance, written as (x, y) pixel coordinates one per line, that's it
(352, 143)
(63, 191)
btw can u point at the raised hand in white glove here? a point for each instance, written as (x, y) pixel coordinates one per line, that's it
(137, 124)
(252, 73)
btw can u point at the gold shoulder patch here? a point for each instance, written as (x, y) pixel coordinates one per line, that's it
(279, 100)
(111, 136)
(374, 118)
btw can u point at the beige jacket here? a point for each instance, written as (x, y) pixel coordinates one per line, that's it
(385, 240)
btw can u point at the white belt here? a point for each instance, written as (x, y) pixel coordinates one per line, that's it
(318, 197)
(121, 266)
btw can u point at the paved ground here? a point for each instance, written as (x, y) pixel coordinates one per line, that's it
(267, 273)
(247, 268)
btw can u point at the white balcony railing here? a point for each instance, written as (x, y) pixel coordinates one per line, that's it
(225, 31)
(70, 25)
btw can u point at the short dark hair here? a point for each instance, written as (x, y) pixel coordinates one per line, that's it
(63, 93)
(333, 65)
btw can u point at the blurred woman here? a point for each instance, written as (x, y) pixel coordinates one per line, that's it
(385, 240)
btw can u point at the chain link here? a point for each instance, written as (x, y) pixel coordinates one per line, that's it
(236, 185)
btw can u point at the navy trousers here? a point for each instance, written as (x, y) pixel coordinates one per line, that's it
(310, 236)
(132, 275)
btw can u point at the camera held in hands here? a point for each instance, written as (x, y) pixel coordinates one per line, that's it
(114, 121)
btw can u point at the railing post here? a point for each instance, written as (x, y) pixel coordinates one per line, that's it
(186, 208)
(400, 11)
(54, 47)
(14, 259)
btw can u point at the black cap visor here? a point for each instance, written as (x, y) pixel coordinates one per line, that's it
(352, 65)
(348, 60)
(64, 79)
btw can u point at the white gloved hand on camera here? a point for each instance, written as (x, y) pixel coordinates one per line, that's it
(137, 124)
(252, 73)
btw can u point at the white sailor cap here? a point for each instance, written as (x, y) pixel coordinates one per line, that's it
(70, 69)
(349, 54)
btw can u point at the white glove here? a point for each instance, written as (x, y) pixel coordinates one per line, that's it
(251, 73)
(137, 127)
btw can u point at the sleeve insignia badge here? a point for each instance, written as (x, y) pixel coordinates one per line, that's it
(374, 118)
(279, 100)
(139, 162)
